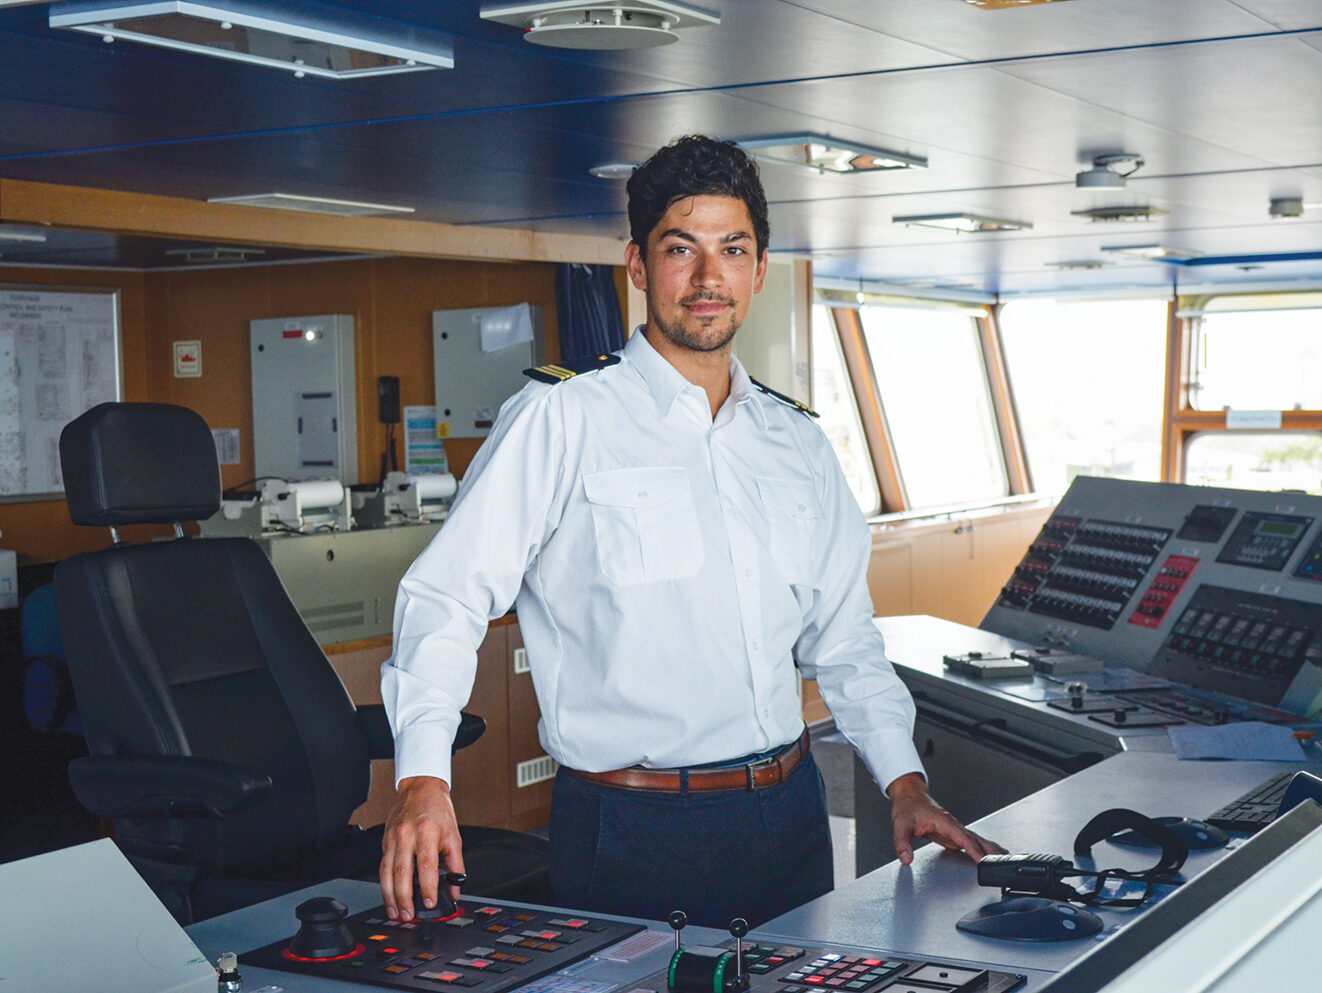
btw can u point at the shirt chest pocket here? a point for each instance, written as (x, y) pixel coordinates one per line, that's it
(793, 517)
(645, 524)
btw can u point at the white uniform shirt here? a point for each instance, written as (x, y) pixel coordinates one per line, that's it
(668, 568)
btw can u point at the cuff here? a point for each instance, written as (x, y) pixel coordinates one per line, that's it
(424, 750)
(890, 755)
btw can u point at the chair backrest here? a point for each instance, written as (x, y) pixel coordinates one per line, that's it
(192, 647)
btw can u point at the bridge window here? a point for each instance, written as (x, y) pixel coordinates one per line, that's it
(1088, 385)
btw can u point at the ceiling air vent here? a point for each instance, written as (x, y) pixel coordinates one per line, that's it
(600, 26)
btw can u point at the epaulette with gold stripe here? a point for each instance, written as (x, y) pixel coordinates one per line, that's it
(558, 373)
(802, 408)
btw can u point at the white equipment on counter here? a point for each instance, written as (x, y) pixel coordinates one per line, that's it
(422, 497)
(311, 505)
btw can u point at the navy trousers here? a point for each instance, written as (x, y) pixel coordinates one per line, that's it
(716, 856)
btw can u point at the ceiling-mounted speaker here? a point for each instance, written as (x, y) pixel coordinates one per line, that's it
(600, 26)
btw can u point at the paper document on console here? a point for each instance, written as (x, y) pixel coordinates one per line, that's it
(1242, 740)
(84, 920)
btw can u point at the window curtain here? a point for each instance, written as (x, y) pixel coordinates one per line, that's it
(588, 309)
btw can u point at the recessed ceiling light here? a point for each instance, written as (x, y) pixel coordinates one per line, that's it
(310, 39)
(1119, 213)
(962, 223)
(1082, 264)
(1102, 175)
(1152, 253)
(614, 170)
(18, 234)
(313, 205)
(601, 26)
(827, 154)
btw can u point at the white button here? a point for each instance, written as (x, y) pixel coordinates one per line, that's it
(642, 494)
(747, 573)
(757, 646)
(802, 507)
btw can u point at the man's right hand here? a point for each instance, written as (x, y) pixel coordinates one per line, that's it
(421, 833)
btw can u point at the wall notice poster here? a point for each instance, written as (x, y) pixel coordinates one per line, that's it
(59, 355)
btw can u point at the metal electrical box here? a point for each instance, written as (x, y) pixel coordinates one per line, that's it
(304, 412)
(473, 378)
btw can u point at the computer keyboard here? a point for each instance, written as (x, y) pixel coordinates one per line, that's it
(1255, 809)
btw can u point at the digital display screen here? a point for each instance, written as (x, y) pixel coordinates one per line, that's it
(1264, 541)
(1279, 528)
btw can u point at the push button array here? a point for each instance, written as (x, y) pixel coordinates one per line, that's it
(840, 972)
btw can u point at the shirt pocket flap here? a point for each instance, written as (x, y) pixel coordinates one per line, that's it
(792, 497)
(642, 487)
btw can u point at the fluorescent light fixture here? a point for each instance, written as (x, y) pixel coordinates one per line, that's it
(827, 154)
(1119, 213)
(213, 253)
(305, 38)
(962, 223)
(1003, 4)
(1152, 253)
(600, 26)
(313, 205)
(614, 170)
(18, 234)
(1081, 264)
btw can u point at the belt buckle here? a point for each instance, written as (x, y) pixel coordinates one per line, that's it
(753, 768)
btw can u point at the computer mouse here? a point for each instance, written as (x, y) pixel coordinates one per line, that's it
(1194, 834)
(1031, 918)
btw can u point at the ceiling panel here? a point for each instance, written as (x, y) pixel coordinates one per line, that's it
(507, 137)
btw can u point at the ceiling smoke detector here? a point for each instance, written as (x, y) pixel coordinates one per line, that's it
(1103, 175)
(1286, 207)
(600, 26)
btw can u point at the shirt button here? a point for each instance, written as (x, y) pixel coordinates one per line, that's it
(747, 573)
(802, 507)
(642, 495)
(757, 646)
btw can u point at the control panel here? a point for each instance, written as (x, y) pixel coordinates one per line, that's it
(1218, 590)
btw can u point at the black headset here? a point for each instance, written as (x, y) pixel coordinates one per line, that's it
(1111, 822)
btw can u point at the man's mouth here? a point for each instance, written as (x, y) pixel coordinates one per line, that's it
(706, 305)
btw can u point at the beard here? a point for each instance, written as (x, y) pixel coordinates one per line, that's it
(702, 334)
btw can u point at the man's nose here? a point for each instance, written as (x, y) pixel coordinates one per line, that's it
(706, 272)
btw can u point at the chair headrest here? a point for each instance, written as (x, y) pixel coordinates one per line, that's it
(139, 463)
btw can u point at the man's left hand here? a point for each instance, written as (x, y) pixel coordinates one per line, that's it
(914, 814)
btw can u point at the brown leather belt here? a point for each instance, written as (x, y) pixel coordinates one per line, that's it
(752, 776)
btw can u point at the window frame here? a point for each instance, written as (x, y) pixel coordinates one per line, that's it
(848, 325)
(1181, 421)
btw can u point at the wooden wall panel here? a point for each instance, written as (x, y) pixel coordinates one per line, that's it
(390, 299)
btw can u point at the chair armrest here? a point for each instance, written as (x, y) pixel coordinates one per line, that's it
(381, 742)
(376, 728)
(471, 727)
(164, 786)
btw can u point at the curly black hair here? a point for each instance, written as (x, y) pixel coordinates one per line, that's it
(695, 165)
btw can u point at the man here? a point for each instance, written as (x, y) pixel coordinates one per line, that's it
(677, 540)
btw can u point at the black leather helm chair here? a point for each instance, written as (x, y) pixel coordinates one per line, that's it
(223, 745)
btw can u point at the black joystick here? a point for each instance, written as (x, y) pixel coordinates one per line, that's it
(738, 928)
(322, 933)
(445, 907)
(677, 920)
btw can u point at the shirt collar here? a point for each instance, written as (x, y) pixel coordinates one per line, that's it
(666, 383)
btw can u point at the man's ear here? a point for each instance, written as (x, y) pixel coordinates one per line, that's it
(633, 262)
(760, 273)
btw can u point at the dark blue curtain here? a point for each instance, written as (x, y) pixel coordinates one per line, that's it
(588, 309)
